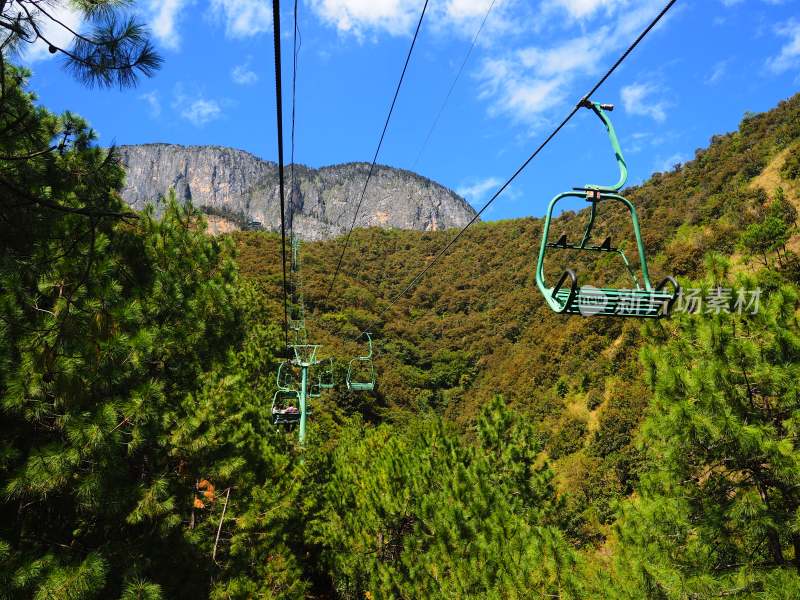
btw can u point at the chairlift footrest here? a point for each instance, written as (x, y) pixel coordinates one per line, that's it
(602, 248)
(610, 302)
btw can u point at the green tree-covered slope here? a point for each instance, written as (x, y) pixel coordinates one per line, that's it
(137, 361)
(477, 325)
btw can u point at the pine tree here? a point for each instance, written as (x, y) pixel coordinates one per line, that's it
(420, 514)
(718, 506)
(109, 322)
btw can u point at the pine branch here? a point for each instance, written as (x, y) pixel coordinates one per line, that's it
(87, 212)
(114, 54)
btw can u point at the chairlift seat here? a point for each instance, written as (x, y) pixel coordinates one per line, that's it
(325, 379)
(613, 302)
(285, 407)
(357, 386)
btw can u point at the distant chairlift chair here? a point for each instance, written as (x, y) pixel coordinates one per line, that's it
(360, 366)
(570, 298)
(324, 380)
(286, 401)
(298, 328)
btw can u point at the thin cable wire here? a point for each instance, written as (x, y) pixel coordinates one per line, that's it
(296, 44)
(535, 153)
(377, 150)
(276, 22)
(453, 84)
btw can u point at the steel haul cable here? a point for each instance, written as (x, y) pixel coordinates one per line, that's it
(276, 25)
(522, 167)
(377, 150)
(296, 43)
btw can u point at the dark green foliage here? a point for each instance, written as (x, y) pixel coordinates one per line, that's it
(718, 505)
(480, 309)
(619, 419)
(115, 51)
(137, 459)
(567, 438)
(122, 386)
(762, 238)
(417, 514)
(770, 234)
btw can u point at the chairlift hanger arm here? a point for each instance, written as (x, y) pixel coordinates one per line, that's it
(601, 111)
(369, 343)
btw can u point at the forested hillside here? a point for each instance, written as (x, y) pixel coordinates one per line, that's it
(477, 327)
(507, 452)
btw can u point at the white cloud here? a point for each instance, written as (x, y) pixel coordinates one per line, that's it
(637, 101)
(528, 83)
(399, 17)
(581, 9)
(534, 80)
(243, 18)
(164, 16)
(243, 74)
(719, 71)
(55, 33)
(358, 16)
(578, 54)
(637, 141)
(789, 57)
(476, 191)
(670, 163)
(153, 102)
(461, 10)
(520, 96)
(201, 111)
(195, 108)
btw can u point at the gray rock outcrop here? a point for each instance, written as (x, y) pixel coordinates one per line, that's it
(240, 190)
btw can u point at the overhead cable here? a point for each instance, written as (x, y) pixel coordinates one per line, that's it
(453, 84)
(276, 26)
(377, 150)
(522, 167)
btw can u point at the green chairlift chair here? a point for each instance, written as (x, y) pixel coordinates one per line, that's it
(323, 380)
(358, 368)
(286, 379)
(326, 376)
(567, 296)
(298, 330)
(286, 407)
(286, 401)
(295, 254)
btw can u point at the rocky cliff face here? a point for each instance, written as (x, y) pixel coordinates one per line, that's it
(239, 190)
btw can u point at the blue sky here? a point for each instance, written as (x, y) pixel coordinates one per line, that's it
(695, 76)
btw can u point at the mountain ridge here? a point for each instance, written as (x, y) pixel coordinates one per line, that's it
(240, 190)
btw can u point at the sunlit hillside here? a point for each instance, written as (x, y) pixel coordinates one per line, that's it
(477, 326)
(192, 411)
